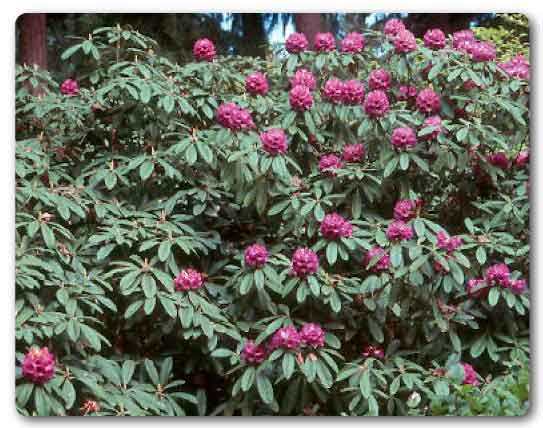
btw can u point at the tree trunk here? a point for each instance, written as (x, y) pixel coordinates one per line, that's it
(33, 39)
(254, 39)
(309, 24)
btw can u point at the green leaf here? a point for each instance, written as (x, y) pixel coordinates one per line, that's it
(133, 308)
(365, 384)
(265, 388)
(480, 254)
(164, 250)
(146, 169)
(48, 236)
(127, 371)
(149, 286)
(493, 296)
(248, 379)
(288, 364)
(331, 252)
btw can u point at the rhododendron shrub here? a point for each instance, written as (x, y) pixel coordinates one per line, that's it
(340, 230)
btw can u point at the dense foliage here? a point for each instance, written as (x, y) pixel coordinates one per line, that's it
(240, 236)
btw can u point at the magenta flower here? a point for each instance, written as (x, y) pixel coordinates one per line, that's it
(428, 102)
(498, 274)
(188, 279)
(403, 138)
(256, 84)
(448, 243)
(333, 90)
(253, 353)
(324, 42)
(334, 226)
(296, 43)
(435, 123)
(371, 351)
(312, 335)
(462, 39)
(376, 104)
(353, 152)
(305, 78)
(477, 288)
(406, 92)
(353, 92)
(256, 256)
(353, 43)
(274, 141)
(405, 210)
(434, 39)
(69, 87)
(379, 79)
(234, 117)
(304, 262)
(405, 42)
(517, 67)
(499, 160)
(203, 50)
(383, 262)
(39, 365)
(522, 159)
(300, 98)
(518, 286)
(399, 231)
(286, 337)
(329, 163)
(393, 27)
(482, 51)
(470, 375)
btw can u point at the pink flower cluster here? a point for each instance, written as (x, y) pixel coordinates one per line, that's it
(256, 256)
(300, 98)
(234, 117)
(312, 334)
(435, 39)
(462, 39)
(333, 90)
(399, 231)
(522, 159)
(405, 209)
(373, 352)
(496, 275)
(256, 84)
(404, 42)
(285, 337)
(188, 279)
(274, 141)
(481, 51)
(253, 353)
(353, 43)
(304, 262)
(376, 104)
(38, 365)
(435, 123)
(517, 67)
(499, 160)
(383, 262)
(329, 163)
(403, 138)
(448, 243)
(405, 93)
(324, 42)
(334, 226)
(470, 375)
(428, 102)
(393, 27)
(203, 50)
(353, 152)
(350, 92)
(296, 43)
(69, 87)
(379, 79)
(304, 77)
